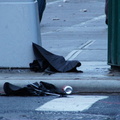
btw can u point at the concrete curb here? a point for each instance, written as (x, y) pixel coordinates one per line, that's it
(79, 86)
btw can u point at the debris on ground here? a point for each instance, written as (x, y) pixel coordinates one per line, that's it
(36, 89)
(51, 63)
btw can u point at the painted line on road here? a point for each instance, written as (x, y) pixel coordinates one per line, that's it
(89, 21)
(87, 44)
(50, 3)
(70, 103)
(75, 26)
(73, 54)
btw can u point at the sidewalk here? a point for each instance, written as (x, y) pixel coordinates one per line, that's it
(88, 32)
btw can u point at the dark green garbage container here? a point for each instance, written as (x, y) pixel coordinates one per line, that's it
(114, 33)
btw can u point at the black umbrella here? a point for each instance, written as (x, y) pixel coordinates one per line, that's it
(34, 89)
(46, 59)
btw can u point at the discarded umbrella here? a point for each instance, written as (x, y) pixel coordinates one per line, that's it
(49, 62)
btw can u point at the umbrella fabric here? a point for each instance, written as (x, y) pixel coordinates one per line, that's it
(46, 59)
(35, 89)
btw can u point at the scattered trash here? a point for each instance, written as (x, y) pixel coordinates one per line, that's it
(35, 89)
(67, 89)
(60, 5)
(56, 19)
(65, 1)
(51, 63)
(83, 10)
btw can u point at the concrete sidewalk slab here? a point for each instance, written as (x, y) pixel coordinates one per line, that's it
(96, 78)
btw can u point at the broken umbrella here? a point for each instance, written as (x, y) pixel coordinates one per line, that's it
(46, 60)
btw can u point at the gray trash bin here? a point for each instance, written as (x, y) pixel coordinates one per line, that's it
(19, 27)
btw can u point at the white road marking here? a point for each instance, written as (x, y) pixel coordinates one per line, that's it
(89, 21)
(70, 103)
(76, 26)
(50, 3)
(73, 54)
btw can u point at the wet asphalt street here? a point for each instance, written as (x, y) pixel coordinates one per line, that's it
(24, 108)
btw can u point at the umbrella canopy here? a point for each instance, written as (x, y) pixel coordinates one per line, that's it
(56, 62)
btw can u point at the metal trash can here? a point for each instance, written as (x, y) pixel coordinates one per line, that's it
(19, 27)
(114, 33)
